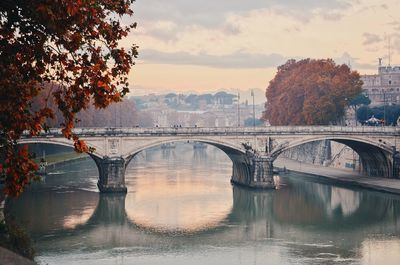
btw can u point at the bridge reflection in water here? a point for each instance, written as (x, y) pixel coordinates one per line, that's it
(169, 216)
(306, 217)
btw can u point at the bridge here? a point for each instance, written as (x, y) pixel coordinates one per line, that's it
(252, 150)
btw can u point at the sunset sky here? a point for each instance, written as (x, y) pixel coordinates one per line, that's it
(209, 45)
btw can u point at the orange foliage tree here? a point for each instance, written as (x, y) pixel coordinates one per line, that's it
(74, 44)
(120, 114)
(310, 92)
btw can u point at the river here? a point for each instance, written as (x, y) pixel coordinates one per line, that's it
(181, 209)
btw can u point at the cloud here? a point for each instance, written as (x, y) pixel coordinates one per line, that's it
(354, 63)
(395, 25)
(331, 15)
(396, 42)
(370, 38)
(212, 13)
(162, 29)
(238, 59)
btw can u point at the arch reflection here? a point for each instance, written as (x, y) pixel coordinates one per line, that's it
(41, 212)
(182, 204)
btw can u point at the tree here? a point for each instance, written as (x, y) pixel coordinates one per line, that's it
(69, 44)
(250, 122)
(359, 100)
(392, 113)
(310, 92)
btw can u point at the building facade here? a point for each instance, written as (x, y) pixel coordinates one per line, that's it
(383, 88)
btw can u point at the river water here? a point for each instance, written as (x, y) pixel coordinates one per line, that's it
(181, 209)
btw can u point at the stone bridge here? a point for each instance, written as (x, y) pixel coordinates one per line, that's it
(252, 150)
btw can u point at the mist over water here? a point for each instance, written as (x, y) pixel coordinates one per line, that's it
(181, 209)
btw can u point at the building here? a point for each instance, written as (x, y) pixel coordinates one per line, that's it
(384, 87)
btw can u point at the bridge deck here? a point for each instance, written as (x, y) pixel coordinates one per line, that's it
(269, 130)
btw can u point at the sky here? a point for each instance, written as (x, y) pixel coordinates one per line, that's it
(210, 45)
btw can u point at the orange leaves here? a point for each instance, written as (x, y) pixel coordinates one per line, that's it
(310, 92)
(103, 85)
(73, 6)
(80, 146)
(18, 169)
(69, 44)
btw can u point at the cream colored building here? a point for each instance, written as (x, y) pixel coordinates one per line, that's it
(384, 87)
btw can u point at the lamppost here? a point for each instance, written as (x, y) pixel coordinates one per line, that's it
(384, 108)
(254, 110)
(346, 100)
(238, 105)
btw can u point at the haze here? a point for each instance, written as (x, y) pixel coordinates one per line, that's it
(206, 46)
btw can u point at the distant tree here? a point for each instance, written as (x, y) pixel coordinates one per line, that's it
(249, 122)
(220, 94)
(310, 92)
(171, 95)
(224, 98)
(139, 103)
(363, 113)
(145, 119)
(359, 100)
(391, 113)
(73, 44)
(193, 101)
(207, 97)
(119, 114)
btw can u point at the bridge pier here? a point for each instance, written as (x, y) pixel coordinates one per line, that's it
(396, 165)
(111, 174)
(263, 173)
(253, 171)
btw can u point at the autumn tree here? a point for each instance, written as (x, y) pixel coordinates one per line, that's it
(310, 92)
(120, 114)
(73, 44)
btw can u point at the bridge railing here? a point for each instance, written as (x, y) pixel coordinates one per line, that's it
(134, 131)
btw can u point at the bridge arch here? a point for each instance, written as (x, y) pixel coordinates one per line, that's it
(228, 148)
(376, 156)
(241, 169)
(95, 155)
(56, 141)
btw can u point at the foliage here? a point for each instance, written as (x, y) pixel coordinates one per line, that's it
(391, 113)
(120, 114)
(71, 43)
(311, 92)
(225, 98)
(359, 100)
(15, 238)
(249, 122)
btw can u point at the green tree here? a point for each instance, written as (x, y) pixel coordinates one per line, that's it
(250, 122)
(359, 100)
(310, 92)
(391, 113)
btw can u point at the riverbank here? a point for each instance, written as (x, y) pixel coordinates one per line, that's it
(340, 176)
(62, 159)
(10, 258)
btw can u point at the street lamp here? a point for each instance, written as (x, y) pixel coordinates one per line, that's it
(254, 110)
(238, 105)
(384, 108)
